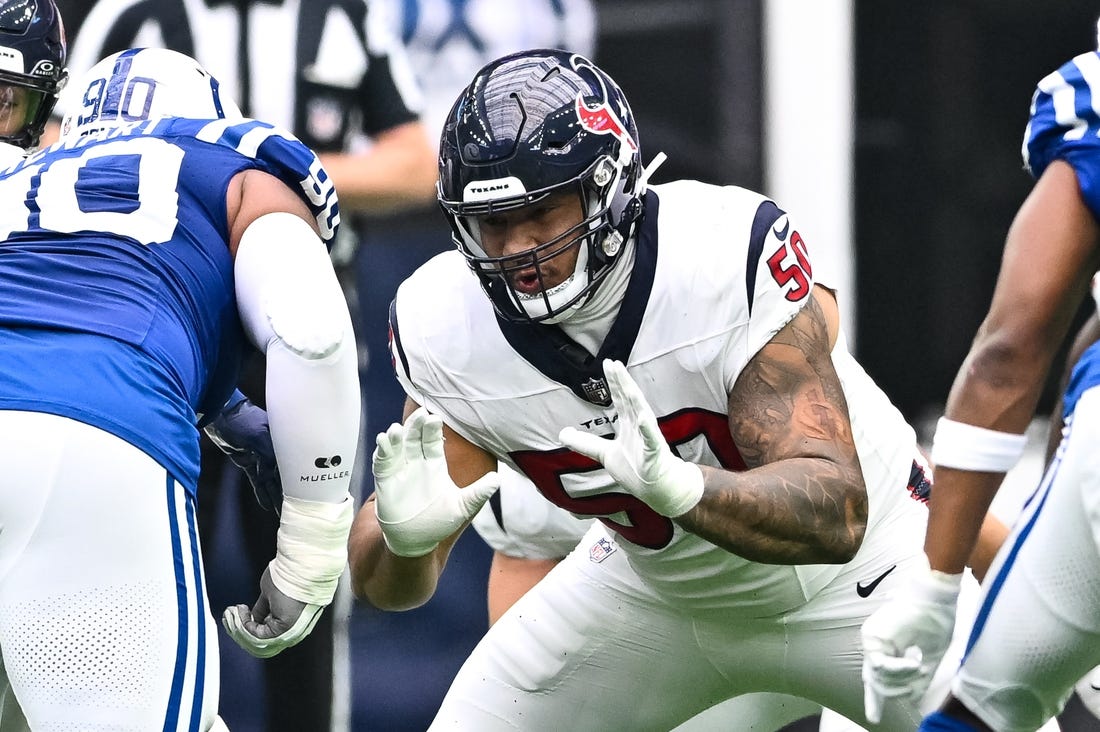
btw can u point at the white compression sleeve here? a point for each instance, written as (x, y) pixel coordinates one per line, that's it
(292, 308)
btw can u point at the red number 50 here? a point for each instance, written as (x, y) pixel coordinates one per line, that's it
(798, 272)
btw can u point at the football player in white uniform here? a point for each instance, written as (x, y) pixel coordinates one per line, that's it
(752, 496)
(159, 237)
(529, 536)
(1038, 629)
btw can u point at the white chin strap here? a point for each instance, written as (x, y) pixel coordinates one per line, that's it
(656, 162)
(536, 305)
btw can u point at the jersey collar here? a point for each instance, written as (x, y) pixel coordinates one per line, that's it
(561, 359)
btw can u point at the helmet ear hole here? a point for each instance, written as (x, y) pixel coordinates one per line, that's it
(529, 125)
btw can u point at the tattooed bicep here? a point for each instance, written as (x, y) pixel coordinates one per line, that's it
(787, 401)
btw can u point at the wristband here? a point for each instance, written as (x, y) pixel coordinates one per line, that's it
(966, 447)
(312, 548)
(939, 587)
(688, 479)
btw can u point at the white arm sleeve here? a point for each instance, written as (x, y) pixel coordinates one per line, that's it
(293, 310)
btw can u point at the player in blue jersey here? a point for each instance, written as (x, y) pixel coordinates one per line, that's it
(1038, 627)
(139, 256)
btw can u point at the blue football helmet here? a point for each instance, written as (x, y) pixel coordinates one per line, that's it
(32, 68)
(529, 125)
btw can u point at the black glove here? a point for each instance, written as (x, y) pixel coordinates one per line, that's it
(241, 431)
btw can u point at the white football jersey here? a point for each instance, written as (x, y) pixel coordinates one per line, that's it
(520, 523)
(717, 272)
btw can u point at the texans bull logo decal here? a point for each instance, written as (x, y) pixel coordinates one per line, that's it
(602, 120)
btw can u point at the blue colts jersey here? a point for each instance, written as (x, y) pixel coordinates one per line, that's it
(117, 299)
(1085, 376)
(1065, 124)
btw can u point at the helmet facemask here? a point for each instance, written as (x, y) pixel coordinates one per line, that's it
(599, 235)
(531, 125)
(24, 111)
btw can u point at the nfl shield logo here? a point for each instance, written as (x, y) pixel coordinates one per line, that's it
(596, 391)
(324, 119)
(600, 551)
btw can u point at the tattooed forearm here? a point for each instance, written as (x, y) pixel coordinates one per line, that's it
(804, 499)
(797, 511)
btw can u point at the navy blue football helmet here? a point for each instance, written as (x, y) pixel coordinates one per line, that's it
(32, 68)
(529, 125)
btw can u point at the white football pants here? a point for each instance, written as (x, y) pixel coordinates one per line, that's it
(104, 621)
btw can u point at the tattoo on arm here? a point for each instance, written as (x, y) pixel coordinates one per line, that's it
(803, 499)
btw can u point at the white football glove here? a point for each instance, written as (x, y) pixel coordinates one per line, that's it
(638, 458)
(276, 622)
(418, 503)
(905, 639)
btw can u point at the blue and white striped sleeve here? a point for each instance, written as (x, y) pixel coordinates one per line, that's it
(1065, 124)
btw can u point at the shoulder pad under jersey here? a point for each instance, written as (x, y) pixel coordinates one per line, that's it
(277, 152)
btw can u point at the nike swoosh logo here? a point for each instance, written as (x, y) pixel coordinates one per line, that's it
(782, 235)
(863, 590)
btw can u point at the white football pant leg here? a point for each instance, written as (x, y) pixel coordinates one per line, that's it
(1037, 632)
(104, 622)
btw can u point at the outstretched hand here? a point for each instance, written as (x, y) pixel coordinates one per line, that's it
(638, 457)
(418, 505)
(276, 622)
